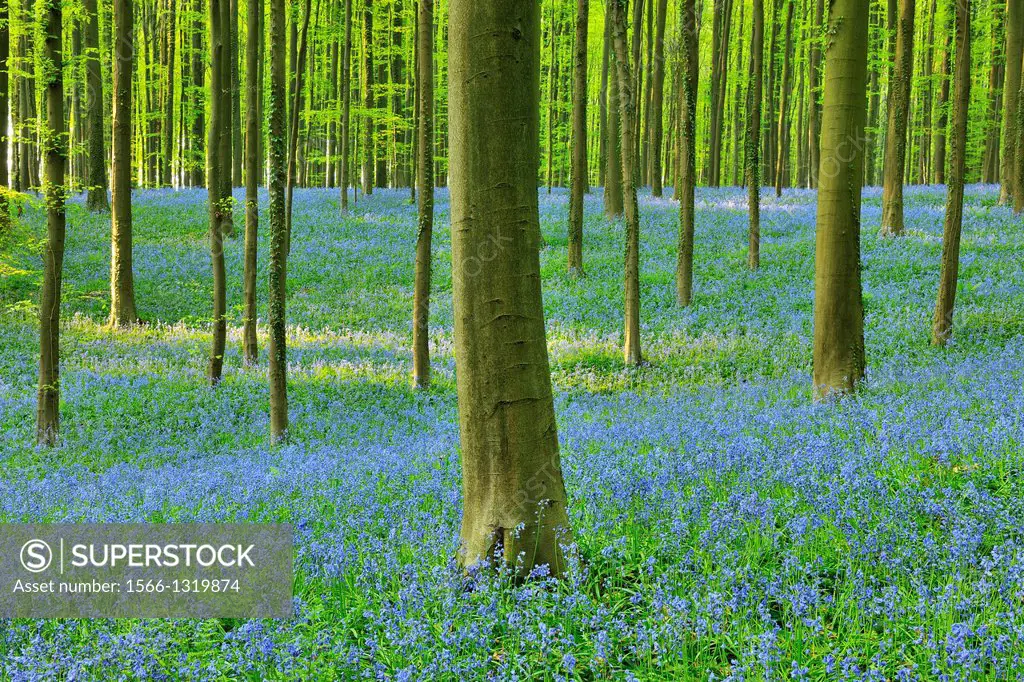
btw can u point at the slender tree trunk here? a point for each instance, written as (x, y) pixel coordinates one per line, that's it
(425, 124)
(637, 76)
(168, 128)
(1011, 85)
(48, 403)
(613, 195)
(514, 502)
(218, 165)
(657, 100)
(122, 280)
(579, 141)
(368, 101)
(687, 152)
(896, 137)
(631, 346)
(782, 149)
(602, 107)
(96, 200)
(5, 49)
(346, 106)
(293, 135)
(196, 138)
(928, 55)
(753, 163)
(838, 307)
(276, 104)
(942, 325)
(253, 172)
(813, 86)
(990, 161)
(939, 154)
(872, 132)
(236, 99)
(552, 95)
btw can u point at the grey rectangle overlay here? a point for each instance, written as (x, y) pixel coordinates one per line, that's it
(139, 570)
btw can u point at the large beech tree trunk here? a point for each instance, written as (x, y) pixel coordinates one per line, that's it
(54, 147)
(122, 280)
(942, 324)
(896, 135)
(276, 106)
(514, 502)
(579, 142)
(838, 307)
(425, 180)
(687, 153)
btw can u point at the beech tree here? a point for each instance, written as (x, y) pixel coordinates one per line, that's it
(253, 120)
(942, 324)
(514, 502)
(687, 153)
(276, 103)
(753, 163)
(122, 278)
(838, 307)
(5, 48)
(656, 116)
(624, 81)
(96, 181)
(1011, 98)
(579, 141)
(896, 135)
(346, 94)
(55, 150)
(425, 180)
(218, 166)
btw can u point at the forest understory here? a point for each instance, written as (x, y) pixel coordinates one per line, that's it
(727, 525)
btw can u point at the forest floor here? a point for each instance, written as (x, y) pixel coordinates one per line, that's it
(727, 526)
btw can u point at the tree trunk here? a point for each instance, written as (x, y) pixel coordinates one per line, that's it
(602, 106)
(838, 308)
(939, 154)
(925, 149)
(276, 104)
(5, 49)
(293, 123)
(631, 346)
(1018, 175)
(753, 163)
(368, 101)
(782, 148)
(613, 199)
(942, 325)
(96, 181)
(990, 161)
(48, 399)
(552, 95)
(346, 106)
(122, 280)
(425, 146)
(687, 152)
(1011, 85)
(896, 136)
(656, 115)
(514, 502)
(196, 138)
(168, 124)
(236, 99)
(579, 141)
(253, 172)
(813, 87)
(218, 166)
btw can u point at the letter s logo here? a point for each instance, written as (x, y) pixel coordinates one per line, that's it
(36, 556)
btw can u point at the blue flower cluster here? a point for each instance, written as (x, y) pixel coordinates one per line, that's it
(728, 528)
